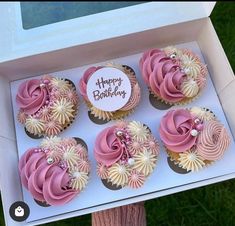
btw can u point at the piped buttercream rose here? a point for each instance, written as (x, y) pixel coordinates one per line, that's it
(108, 147)
(162, 75)
(46, 183)
(83, 81)
(175, 130)
(31, 96)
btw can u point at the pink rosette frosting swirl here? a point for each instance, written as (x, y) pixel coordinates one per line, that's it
(47, 183)
(162, 75)
(83, 81)
(31, 97)
(108, 148)
(213, 141)
(175, 130)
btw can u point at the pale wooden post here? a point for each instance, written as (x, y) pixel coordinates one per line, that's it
(129, 215)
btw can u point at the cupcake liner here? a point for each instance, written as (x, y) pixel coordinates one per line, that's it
(108, 184)
(175, 167)
(42, 204)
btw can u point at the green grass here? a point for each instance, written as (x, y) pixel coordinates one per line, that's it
(213, 205)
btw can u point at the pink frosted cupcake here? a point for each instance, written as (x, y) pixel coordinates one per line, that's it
(193, 138)
(56, 172)
(47, 105)
(174, 76)
(126, 154)
(120, 82)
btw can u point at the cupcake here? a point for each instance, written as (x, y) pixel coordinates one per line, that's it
(110, 92)
(173, 76)
(57, 171)
(46, 106)
(193, 137)
(126, 154)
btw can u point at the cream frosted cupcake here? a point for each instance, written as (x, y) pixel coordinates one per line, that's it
(115, 92)
(173, 75)
(47, 105)
(193, 138)
(56, 172)
(126, 153)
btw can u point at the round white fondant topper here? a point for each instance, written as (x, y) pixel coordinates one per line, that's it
(109, 89)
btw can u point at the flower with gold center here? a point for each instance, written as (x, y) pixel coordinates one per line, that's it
(60, 84)
(34, 126)
(79, 179)
(118, 174)
(191, 161)
(70, 155)
(52, 142)
(145, 162)
(138, 131)
(62, 110)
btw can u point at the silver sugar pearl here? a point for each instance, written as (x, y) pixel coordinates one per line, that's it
(173, 56)
(50, 160)
(194, 132)
(42, 85)
(197, 120)
(119, 133)
(131, 161)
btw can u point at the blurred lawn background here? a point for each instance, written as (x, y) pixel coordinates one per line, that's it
(213, 205)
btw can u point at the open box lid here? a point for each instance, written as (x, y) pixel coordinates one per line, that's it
(17, 42)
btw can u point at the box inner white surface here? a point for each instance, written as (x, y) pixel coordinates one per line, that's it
(162, 177)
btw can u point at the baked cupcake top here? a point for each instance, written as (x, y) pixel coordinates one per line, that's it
(175, 76)
(126, 154)
(56, 172)
(113, 91)
(47, 105)
(193, 137)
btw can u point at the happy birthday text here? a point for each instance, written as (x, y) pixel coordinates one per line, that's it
(109, 87)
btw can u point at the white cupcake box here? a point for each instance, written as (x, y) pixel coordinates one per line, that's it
(69, 47)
